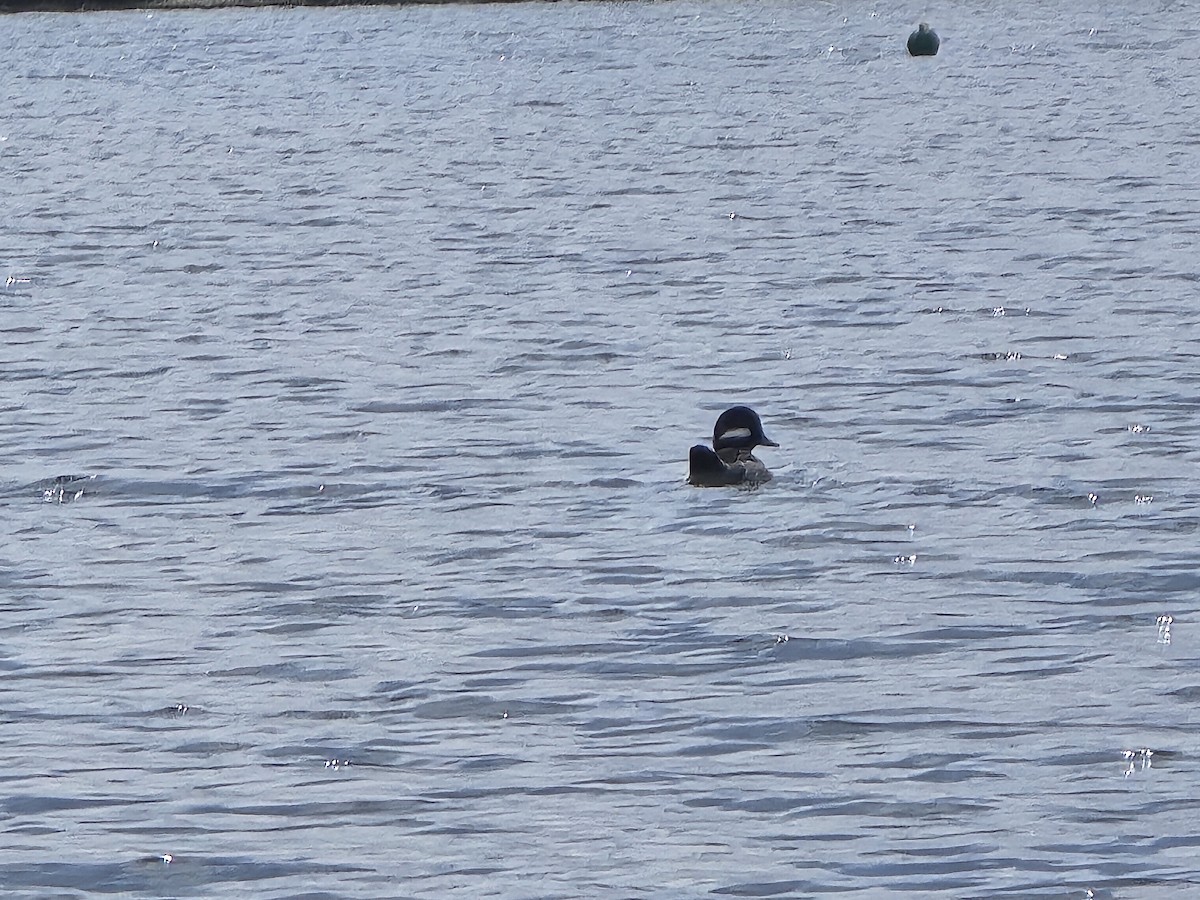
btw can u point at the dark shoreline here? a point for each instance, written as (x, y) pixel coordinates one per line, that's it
(103, 5)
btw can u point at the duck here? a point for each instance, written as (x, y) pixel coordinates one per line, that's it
(731, 460)
(923, 42)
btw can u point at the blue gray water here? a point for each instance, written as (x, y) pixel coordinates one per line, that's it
(350, 361)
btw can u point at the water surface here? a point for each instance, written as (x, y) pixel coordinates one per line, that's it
(350, 360)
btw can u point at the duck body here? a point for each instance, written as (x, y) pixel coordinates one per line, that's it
(730, 460)
(923, 42)
(706, 468)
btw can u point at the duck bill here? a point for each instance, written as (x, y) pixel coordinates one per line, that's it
(767, 442)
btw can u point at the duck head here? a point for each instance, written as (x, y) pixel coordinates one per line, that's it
(739, 428)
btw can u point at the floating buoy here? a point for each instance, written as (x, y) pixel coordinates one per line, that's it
(923, 42)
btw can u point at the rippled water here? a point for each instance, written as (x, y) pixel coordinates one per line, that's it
(350, 362)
